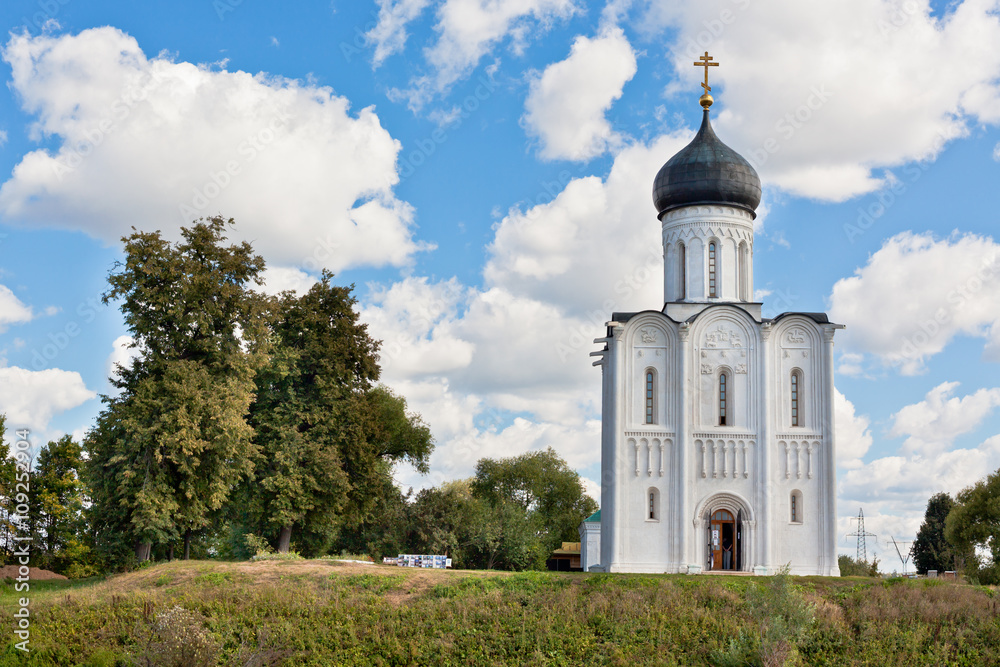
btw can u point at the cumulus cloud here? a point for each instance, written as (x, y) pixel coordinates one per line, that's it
(31, 398)
(592, 247)
(931, 426)
(996, 152)
(468, 30)
(279, 279)
(863, 91)
(12, 309)
(122, 354)
(853, 437)
(896, 487)
(307, 180)
(958, 281)
(567, 102)
(389, 34)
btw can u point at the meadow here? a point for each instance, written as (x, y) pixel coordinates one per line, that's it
(324, 612)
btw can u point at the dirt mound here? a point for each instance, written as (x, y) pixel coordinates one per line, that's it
(34, 573)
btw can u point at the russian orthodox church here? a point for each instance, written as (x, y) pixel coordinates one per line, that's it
(717, 444)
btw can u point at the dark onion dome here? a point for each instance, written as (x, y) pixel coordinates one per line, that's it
(706, 171)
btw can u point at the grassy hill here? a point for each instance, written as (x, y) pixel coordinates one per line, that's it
(331, 613)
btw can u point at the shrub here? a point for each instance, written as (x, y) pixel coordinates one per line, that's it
(178, 638)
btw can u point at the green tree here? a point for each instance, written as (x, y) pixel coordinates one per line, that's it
(326, 436)
(7, 482)
(537, 502)
(931, 551)
(58, 504)
(973, 529)
(176, 438)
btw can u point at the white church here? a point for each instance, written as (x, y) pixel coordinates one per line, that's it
(717, 445)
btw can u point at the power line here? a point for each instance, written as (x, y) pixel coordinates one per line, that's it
(861, 534)
(909, 552)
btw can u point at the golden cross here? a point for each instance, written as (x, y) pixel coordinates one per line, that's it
(706, 62)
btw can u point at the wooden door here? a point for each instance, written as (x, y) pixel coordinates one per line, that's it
(722, 537)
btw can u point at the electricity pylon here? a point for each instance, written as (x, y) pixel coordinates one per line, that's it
(861, 534)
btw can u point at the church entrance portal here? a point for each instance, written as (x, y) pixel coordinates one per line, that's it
(725, 541)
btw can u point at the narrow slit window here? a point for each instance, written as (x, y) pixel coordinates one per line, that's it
(712, 282)
(743, 277)
(652, 504)
(796, 388)
(723, 399)
(682, 259)
(795, 509)
(650, 391)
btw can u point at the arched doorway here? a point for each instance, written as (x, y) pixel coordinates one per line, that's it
(726, 521)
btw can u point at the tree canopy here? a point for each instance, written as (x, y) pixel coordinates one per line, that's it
(931, 550)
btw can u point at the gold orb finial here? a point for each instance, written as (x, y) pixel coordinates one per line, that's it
(706, 62)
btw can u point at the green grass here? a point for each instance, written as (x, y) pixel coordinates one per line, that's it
(323, 613)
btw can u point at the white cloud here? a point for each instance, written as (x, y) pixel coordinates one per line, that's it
(958, 283)
(31, 398)
(3, 137)
(121, 354)
(852, 434)
(593, 247)
(12, 309)
(469, 29)
(851, 364)
(932, 425)
(389, 34)
(996, 152)
(864, 90)
(306, 180)
(279, 279)
(567, 103)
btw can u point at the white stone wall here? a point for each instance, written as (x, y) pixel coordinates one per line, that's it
(692, 464)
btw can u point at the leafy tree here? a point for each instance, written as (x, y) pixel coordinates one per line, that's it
(537, 502)
(931, 551)
(176, 439)
(973, 528)
(850, 567)
(7, 481)
(326, 437)
(58, 506)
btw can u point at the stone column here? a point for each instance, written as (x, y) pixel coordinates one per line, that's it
(764, 472)
(683, 440)
(829, 459)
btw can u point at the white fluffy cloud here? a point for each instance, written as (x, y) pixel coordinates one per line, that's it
(121, 355)
(896, 487)
(958, 280)
(468, 30)
(279, 279)
(389, 34)
(31, 398)
(853, 437)
(593, 247)
(303, 177)
(862, 85)
(567, 103)
(12, 309)
(932, 425)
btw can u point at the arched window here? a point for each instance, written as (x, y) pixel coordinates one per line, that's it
(650, 395)
(796, 395)
(724, 399)
(682, 261)
(795, 504)
(713, 289)
(653, 498)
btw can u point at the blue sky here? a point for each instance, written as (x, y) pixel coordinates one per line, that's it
(481, 171)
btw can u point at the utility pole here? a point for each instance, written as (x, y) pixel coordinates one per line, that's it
(909, 552)
(861, 534)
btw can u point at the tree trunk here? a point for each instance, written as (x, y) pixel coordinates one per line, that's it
(142, 550)
(284, 539)
(187, 544)
(170, 553)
